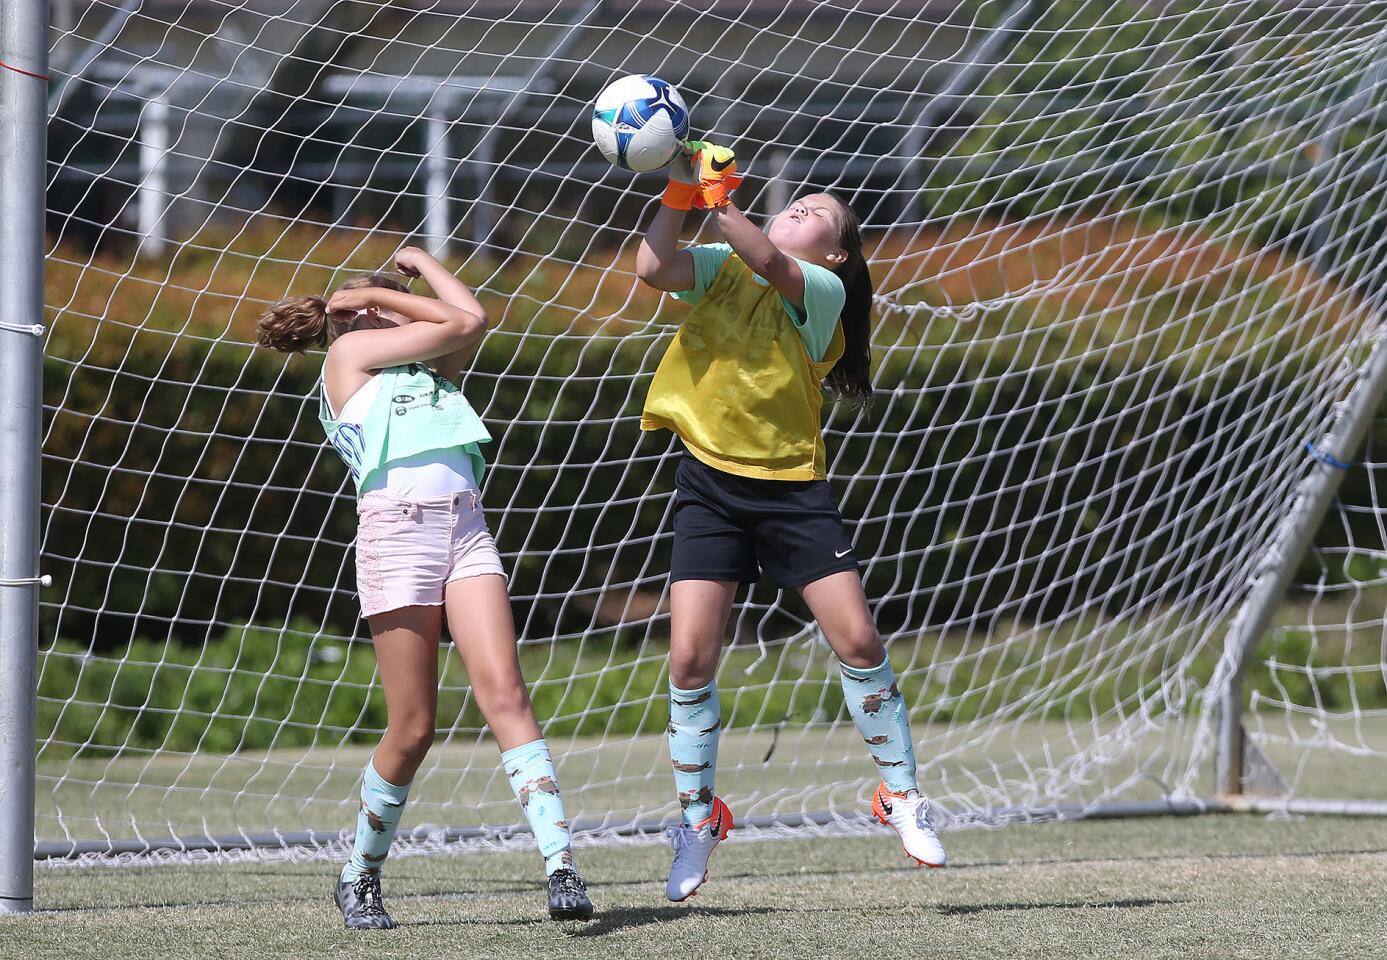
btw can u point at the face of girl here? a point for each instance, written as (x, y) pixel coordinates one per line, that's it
(808, 229)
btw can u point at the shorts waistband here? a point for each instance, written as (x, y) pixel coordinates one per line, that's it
(384, 500)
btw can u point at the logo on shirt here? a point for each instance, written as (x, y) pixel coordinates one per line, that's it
(842, 553)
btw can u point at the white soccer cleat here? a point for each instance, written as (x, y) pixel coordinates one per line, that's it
(909, 817)
(693, 845)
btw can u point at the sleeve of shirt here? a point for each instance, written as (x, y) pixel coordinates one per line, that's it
(823, 305)
(708, 259)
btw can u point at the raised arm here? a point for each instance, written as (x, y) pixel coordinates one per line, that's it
(438, 329)
(760, 255)
(414, 262)
(659, 261)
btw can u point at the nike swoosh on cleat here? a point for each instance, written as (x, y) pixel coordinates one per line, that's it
(720, 167)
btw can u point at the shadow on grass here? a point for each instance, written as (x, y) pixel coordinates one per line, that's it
(966, 909)
(614, 919)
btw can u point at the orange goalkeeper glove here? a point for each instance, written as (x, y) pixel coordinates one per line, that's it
(716, 169)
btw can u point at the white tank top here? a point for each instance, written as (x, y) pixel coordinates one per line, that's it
(436, 473)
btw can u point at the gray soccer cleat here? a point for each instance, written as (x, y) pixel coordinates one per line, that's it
(568, 896)
(361, 904)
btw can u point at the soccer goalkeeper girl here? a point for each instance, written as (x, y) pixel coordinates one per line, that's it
(392, 409)
(776, 317)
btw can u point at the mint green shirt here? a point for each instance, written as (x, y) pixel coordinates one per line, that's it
(823, 295)
(415, 411)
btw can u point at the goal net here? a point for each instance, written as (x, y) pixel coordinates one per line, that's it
(1318, 709)
(1126, 261)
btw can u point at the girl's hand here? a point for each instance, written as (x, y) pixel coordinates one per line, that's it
(344, 305)
(681, 168)
(683, 192)
(410, 261)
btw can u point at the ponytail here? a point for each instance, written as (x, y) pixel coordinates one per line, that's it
(851, 378)
(293, 325)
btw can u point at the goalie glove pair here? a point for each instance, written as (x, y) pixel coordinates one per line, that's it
(704, 177)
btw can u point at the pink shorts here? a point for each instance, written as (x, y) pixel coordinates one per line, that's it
(408, 550)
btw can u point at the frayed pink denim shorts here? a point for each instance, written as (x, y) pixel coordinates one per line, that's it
(407, 551)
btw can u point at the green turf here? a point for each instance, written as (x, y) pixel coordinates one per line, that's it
(1216, 886)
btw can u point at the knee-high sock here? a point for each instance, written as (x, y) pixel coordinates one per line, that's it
(378, 818)
(877, 708)
(530, 770)
(694, 725)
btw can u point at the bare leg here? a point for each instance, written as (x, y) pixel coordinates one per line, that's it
(406, 643)
(840, 606)
(479, 618)
(698, 620)
(407, 653)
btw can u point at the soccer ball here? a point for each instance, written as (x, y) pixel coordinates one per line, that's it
(638, 122)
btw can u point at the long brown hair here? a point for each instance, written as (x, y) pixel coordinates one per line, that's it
(851, 377)
(296, 323)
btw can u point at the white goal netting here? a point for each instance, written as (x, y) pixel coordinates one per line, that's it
(1126, 258)
(1319, 692)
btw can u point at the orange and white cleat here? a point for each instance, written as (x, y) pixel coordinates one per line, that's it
(693, 845)
(908, 815)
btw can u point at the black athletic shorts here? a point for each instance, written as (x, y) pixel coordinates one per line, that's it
(725, 524)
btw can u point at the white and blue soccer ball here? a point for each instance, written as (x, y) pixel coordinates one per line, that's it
(638, 122)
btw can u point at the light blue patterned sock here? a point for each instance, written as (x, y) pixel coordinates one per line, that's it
(530, 770)
(382, 803)
(694, 724)
(878, 709)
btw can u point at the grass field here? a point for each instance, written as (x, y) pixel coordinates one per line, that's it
(1215, 886)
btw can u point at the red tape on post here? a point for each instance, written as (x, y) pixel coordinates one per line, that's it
(36, 76)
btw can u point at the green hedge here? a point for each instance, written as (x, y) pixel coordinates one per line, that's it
(246, 689)
(257, 689)
(204, 496)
